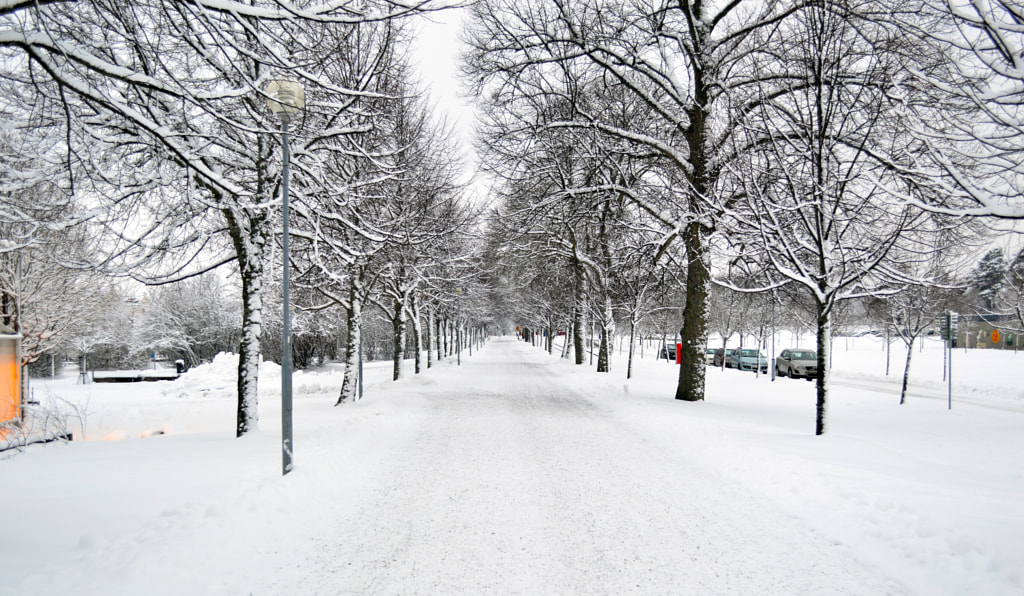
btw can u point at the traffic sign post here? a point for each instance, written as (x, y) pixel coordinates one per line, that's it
(948, 330)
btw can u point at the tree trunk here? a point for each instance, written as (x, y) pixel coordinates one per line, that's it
(888, 352)
(602, 352)
(569, 346)
(824, 353)
(430, 337)
(906, 372)
(632, 341)
(442, 340)
(398, 327)
(7, 311)
(694, 334)
(607, 336)
(417, 333)
(249, 234)
(577, 325)
(350, 381)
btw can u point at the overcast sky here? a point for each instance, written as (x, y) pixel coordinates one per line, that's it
(435, 52)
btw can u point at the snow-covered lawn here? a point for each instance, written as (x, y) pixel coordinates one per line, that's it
(520, 473)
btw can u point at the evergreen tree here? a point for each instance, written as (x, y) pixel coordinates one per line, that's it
(989, 278)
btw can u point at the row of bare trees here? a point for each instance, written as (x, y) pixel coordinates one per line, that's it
(142, 130)
(838, 148)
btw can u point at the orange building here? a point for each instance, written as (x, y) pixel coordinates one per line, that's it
(10, 377)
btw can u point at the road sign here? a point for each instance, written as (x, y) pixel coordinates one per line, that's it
(948, 324)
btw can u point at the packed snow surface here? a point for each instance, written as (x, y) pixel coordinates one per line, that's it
(520, 473)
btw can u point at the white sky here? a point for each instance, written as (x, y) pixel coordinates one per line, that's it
(435, 51)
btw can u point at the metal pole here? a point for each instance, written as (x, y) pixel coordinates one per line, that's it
(360, 357)
(286, 343)
(949, 377)
(458, 331)
(771, 363)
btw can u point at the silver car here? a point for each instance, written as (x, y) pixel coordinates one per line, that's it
(797, 363)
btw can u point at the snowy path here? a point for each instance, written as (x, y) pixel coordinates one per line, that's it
(514, 482)
(518, 473)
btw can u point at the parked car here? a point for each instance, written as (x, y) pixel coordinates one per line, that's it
(709, 356)
(748, 359)
(668, 352)
(797, 363)
(722, 356)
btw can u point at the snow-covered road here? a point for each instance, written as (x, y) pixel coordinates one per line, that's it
(519, 473)
(515, 482)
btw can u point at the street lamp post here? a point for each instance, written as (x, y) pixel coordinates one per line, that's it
(360, 358)
(285, 98)
(771, 363)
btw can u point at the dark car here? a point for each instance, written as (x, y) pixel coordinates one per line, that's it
(797, 363)
(723, 356)
(668, 352)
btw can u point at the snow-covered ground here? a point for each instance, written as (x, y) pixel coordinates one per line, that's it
(518, 473)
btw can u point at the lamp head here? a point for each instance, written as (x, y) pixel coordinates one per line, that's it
(285, 98)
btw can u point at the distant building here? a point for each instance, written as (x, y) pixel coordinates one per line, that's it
(10, 378)
(980, 331)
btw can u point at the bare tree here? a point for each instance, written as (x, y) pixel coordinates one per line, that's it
(911, 312)
(644, 282)
(383, 236)
(40, 298)
(974, 143)
(35, 202)
(726, 312)
(164, 105)
(192, 320)
(684, 60)
(820, 198)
